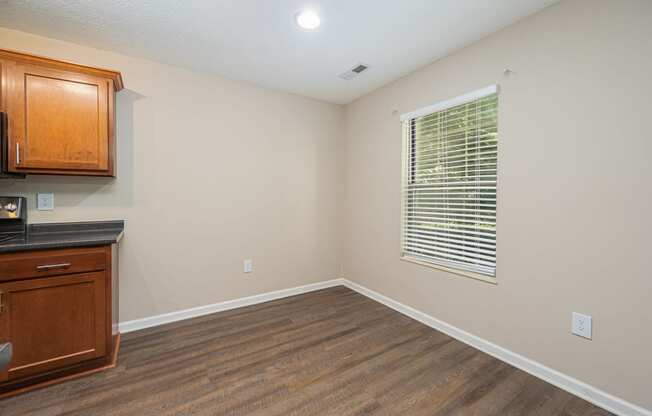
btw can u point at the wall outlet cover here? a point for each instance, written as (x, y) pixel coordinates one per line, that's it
(582, 325)
(248, 266)
(45, 201)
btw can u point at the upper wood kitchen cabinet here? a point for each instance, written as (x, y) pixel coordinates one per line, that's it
(61, 116)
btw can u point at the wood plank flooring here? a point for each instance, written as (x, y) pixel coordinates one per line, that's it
(330, 352)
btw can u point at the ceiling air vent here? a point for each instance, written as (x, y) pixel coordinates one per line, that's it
(354, 72)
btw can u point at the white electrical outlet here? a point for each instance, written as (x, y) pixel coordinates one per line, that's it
(582, 325)
(45, 201)
(248, 266)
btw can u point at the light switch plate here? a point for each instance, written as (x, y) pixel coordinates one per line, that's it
(45, 201)
(248, 266)
(582, 325)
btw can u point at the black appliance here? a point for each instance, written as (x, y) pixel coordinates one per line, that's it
(4, 150)
(5, 354)
(13, 216)
(13, 223)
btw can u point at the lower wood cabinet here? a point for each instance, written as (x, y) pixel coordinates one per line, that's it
(59, 323)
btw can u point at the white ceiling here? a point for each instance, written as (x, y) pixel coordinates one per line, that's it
(258, 40)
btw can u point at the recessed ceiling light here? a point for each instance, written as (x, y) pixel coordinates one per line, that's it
(308, 20)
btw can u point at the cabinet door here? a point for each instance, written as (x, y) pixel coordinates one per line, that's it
(59, 122)
(54, 322)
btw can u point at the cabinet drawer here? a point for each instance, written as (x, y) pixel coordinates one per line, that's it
(42, 263)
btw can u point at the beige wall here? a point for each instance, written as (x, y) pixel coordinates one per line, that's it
(574, 197)
(210, 172)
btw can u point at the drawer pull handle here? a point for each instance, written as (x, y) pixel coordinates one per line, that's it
(2, 303)
(46, 267)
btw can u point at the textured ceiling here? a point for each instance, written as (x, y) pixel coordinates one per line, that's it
(258, 41)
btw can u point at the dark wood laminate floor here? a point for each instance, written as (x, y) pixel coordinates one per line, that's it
(331, 352)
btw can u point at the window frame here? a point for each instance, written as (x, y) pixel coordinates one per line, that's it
(407, 149)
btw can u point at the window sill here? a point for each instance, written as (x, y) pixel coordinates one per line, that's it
(476, 276)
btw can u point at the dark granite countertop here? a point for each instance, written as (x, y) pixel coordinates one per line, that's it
(64, 235)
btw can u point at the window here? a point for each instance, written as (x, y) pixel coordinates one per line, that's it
(449, 184)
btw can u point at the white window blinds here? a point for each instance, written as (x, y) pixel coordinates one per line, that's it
(449, 183)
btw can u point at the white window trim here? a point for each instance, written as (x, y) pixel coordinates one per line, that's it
(428, 263)
(443, 105)
(439, 106)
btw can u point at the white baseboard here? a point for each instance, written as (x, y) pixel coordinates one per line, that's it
(589, 393)
(136, 324)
